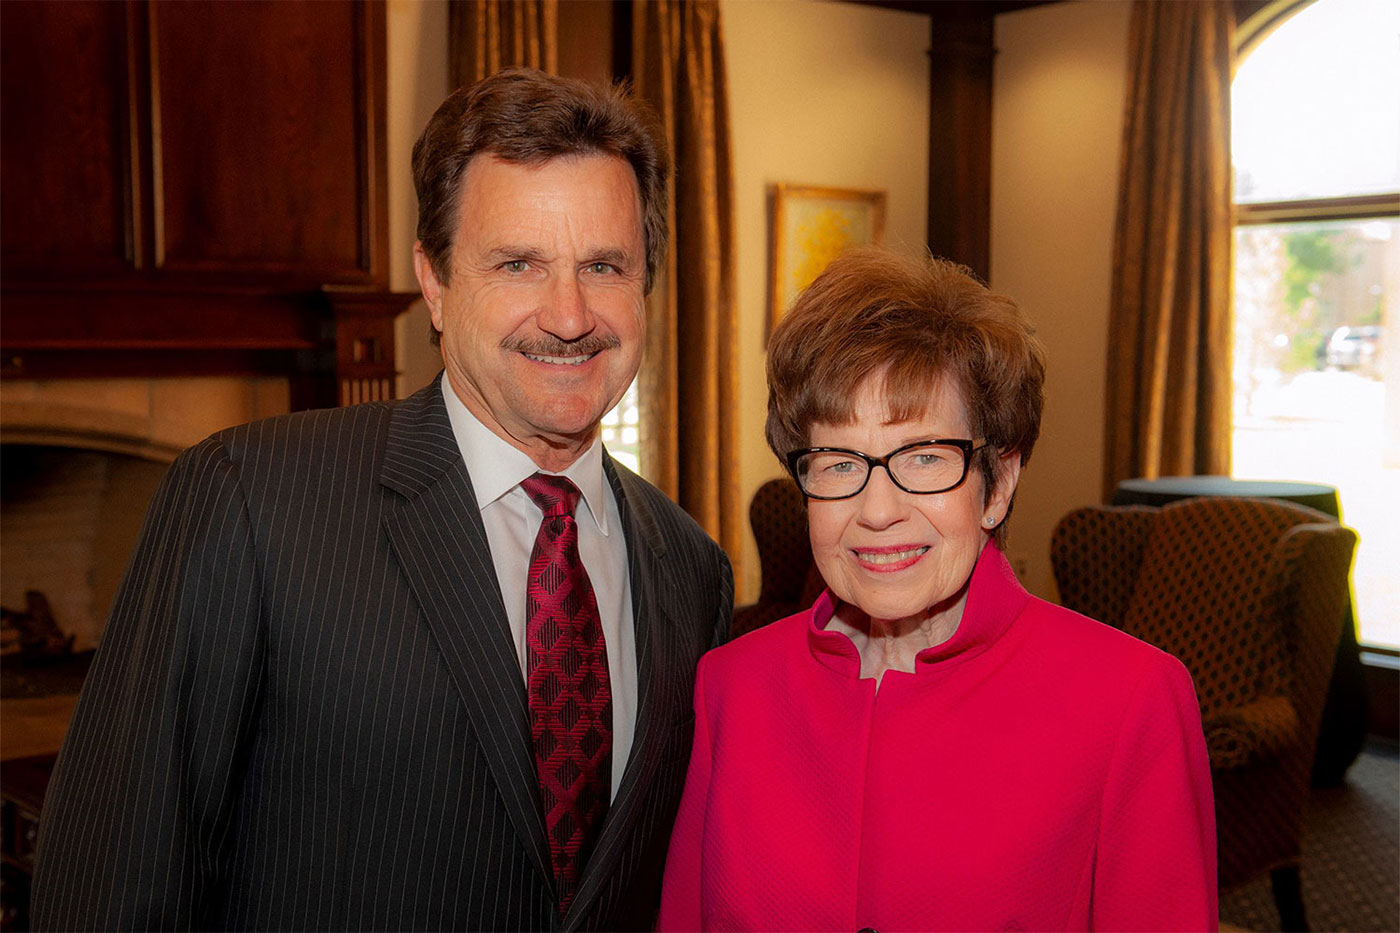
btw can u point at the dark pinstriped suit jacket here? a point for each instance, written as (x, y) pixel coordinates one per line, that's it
(307, 712)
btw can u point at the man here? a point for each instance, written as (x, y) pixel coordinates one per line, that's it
(378, 667)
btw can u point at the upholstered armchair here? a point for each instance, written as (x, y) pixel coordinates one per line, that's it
(1251, 595)
(789, 578)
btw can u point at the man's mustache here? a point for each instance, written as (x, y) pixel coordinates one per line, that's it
(553, 346)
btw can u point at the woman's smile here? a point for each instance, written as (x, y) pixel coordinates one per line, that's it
(891, 558)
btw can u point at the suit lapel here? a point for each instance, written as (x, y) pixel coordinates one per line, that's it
(655, 603)
(437, 534)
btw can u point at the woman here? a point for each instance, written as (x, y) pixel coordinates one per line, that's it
(928, 746)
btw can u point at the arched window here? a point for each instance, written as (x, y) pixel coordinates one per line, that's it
(1316, 151)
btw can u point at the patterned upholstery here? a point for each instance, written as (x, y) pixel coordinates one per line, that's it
(790, 581)
(1251, 595)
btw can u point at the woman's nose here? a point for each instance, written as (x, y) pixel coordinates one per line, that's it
(881, 501)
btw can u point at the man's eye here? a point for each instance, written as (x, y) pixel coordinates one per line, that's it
(601, 268)
(515, 265)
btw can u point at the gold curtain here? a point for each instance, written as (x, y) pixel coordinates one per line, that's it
(687, 386)
(485, 36)
(1169, 319)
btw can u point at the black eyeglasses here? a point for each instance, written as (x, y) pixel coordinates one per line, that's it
(922, 468)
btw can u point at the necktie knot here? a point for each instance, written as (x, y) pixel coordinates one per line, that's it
(555, 496)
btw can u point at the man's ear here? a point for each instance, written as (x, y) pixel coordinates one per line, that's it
(1008, 473)
(428, 282)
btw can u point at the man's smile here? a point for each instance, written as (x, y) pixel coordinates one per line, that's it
(560, 360)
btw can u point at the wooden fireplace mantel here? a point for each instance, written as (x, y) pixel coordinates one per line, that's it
(335, 344)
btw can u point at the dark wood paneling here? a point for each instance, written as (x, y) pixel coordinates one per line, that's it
(364, 341)
(960, 122)
(1246, 9)
(960, 134)
(157, 319)
(67, 164)
(142, 364)
(990, 7)
(259, 154)
(181, 181)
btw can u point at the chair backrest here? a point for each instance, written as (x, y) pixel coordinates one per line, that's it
(1221, 583)
(1096, 554)
(790, 581)
(1208, 592)
(778, 516)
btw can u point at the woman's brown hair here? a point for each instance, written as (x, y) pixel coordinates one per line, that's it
(921, 324)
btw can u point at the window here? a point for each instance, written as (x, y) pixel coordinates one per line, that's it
(620, 431)
(1316, 151)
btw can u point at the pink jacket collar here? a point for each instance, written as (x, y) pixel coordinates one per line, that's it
(994, 598)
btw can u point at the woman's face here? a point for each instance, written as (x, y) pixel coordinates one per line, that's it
(892, 554)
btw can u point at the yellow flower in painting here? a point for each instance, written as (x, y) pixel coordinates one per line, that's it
(820, 239)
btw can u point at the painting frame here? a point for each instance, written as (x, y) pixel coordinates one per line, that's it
(808, 226)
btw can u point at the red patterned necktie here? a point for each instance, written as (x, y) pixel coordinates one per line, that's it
(570, 696)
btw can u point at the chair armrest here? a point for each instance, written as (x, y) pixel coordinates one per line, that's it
(1254, 733)
(1311, 592)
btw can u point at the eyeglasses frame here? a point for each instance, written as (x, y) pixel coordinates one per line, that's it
(968, 448)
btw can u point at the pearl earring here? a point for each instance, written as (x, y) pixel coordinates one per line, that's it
(991, 520)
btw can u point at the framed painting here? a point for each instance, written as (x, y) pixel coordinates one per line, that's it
(809, 227)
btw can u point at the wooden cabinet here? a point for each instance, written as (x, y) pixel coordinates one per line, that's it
(183, 180)
(68, 159)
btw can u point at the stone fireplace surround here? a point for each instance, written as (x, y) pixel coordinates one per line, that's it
(81, 459)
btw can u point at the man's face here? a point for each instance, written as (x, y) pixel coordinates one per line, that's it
(543, 320)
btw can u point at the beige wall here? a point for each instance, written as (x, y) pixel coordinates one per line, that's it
(416, 36)
(824, 94)
(1057, 113)
(837, 94)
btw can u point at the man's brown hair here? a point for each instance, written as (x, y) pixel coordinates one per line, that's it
(924, 325)
(526, 116)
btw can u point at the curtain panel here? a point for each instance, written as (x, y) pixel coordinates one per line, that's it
(687, 387)
(1169, 354)
(484, 36)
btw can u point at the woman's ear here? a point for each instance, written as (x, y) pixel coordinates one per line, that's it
(1008, 470)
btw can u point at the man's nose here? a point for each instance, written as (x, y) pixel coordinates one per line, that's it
(565, 313)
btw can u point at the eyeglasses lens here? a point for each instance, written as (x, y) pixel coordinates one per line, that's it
(834, 474)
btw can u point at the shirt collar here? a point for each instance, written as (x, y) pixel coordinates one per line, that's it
(496, 467)
(994, 599)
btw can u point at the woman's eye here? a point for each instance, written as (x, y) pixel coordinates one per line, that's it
(842, 466)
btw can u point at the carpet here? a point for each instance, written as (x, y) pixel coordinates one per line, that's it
(1351, 855)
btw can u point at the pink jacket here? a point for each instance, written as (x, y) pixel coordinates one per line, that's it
(1038, 771)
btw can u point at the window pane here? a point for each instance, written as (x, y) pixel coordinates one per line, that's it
(1317, 383)
(620, 427)
(1316, 107)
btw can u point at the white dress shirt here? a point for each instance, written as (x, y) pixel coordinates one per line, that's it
(513, 520)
